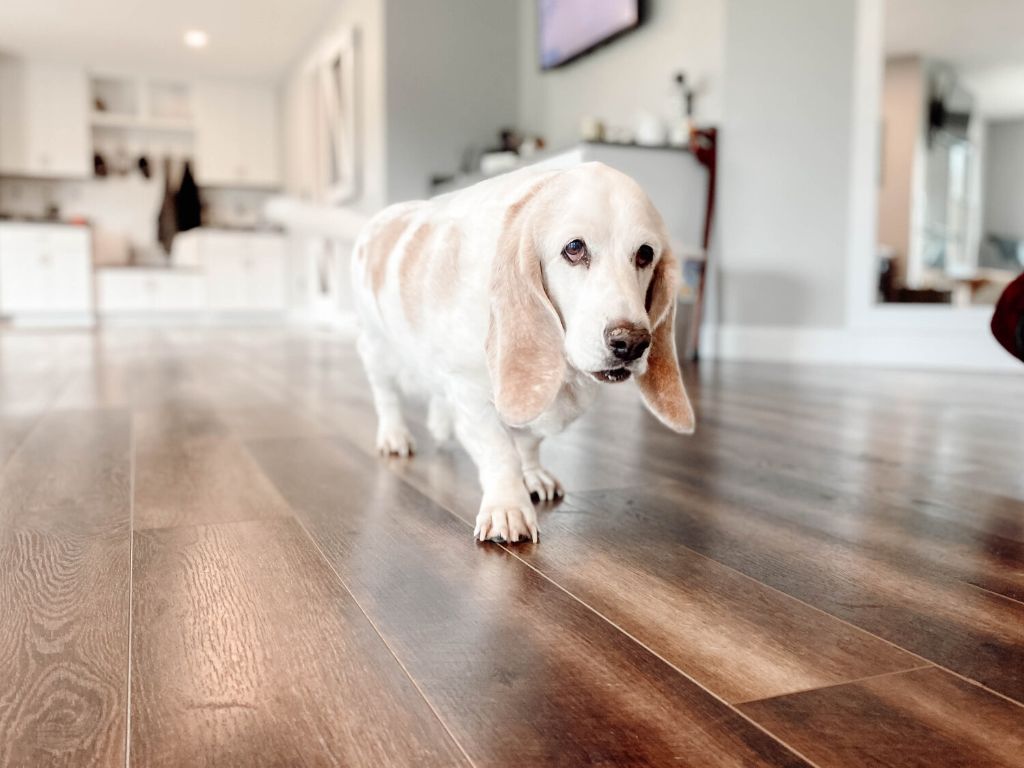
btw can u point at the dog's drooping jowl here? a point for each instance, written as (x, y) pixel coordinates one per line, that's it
(507, 304)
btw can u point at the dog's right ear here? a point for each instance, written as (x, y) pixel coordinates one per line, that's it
(525, 340)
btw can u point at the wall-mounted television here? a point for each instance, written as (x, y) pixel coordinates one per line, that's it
(571, 28)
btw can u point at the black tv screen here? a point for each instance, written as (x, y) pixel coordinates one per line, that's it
(571, 28)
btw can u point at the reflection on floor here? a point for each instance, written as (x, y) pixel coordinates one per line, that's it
(202, 562)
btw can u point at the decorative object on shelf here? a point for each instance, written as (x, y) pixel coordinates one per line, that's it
(99, 165)
(679, 135)
(144, 167)
(649, 130)
(591, 129)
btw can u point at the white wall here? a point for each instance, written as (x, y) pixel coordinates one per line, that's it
(451, 84)
(786, 143)
(1004, 178)
(632, 74)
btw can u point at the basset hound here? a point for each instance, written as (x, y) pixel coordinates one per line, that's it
(508, 304)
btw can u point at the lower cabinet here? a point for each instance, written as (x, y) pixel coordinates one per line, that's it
(45, 270)
(140, 290)
(245, 272)
(216, 272)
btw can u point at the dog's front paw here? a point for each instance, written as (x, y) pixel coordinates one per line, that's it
(542, 485)
(506, 523)
(395, 441)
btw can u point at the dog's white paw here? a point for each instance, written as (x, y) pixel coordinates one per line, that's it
(542, 485)
(395, 441)
(506, 523)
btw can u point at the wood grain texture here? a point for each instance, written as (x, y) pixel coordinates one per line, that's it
(924, 718)
(972, 632)
(246, 651)
(522, 673)
(64, 592)
(191, 470)
(63, 647)
(71, 463)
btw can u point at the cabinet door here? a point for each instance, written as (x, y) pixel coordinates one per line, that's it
(236, 135)
(22, 286)
(258, 137)
(267, 273)
(57, 121)
(217, 134)
(70, 282)
(13, 150)
(224, 265)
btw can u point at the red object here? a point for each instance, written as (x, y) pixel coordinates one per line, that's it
(1008, 319)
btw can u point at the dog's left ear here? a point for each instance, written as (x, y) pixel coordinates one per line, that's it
(662, 385)
(525, 340)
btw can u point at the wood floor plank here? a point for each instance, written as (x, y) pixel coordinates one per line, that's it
(71, 463)
(736, 637)
(63, 647)
(519, 671)
(192, 470)
(969, 631)
(924, 718)
(247, 651)
(64, 592)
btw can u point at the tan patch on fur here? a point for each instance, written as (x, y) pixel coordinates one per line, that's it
(412, 271)
(662, 386)
(525, 340)
(445, 272)
(379, 249)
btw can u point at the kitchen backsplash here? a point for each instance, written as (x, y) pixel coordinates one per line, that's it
(125, 206)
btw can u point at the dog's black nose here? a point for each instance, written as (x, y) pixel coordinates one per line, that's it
(627, 341)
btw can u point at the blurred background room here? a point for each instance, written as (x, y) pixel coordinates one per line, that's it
(826, 170)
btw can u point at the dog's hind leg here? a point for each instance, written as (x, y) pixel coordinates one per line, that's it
(439, 419)
(393, 437)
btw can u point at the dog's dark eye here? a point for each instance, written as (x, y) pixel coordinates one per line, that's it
(575, 251)
(644, 256)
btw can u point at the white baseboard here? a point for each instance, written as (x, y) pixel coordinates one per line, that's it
(945, 348)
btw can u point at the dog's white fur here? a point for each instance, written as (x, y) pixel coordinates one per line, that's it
(469, 299)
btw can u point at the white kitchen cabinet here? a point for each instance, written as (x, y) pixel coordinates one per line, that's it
(45, 127)
(45, 270)
(245, 271)
(237, 135)
(143, 291)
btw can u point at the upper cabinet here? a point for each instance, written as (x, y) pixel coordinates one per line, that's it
(44, 130)
(236, 135)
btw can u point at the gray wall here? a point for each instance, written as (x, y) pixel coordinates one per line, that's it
(1004, 179)
(786, 147)
(632, 74)
(451, 73)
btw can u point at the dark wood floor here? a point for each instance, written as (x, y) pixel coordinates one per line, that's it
(202, 563)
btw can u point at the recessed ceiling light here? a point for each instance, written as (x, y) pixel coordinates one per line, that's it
(196, 38)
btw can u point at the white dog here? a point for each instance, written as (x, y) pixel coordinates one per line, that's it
(508, 303)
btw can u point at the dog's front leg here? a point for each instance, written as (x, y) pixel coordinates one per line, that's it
(506, 512)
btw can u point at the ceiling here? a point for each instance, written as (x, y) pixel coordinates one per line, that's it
(969, 33)
(253, 39)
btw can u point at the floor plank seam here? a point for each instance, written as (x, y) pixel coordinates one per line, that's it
(836, 685)
(376, 629)
(604, 618)
(657, 655)
(131, 588)
(989, 592)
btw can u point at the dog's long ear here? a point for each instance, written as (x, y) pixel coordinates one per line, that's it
(525, 340)
(662, 385)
